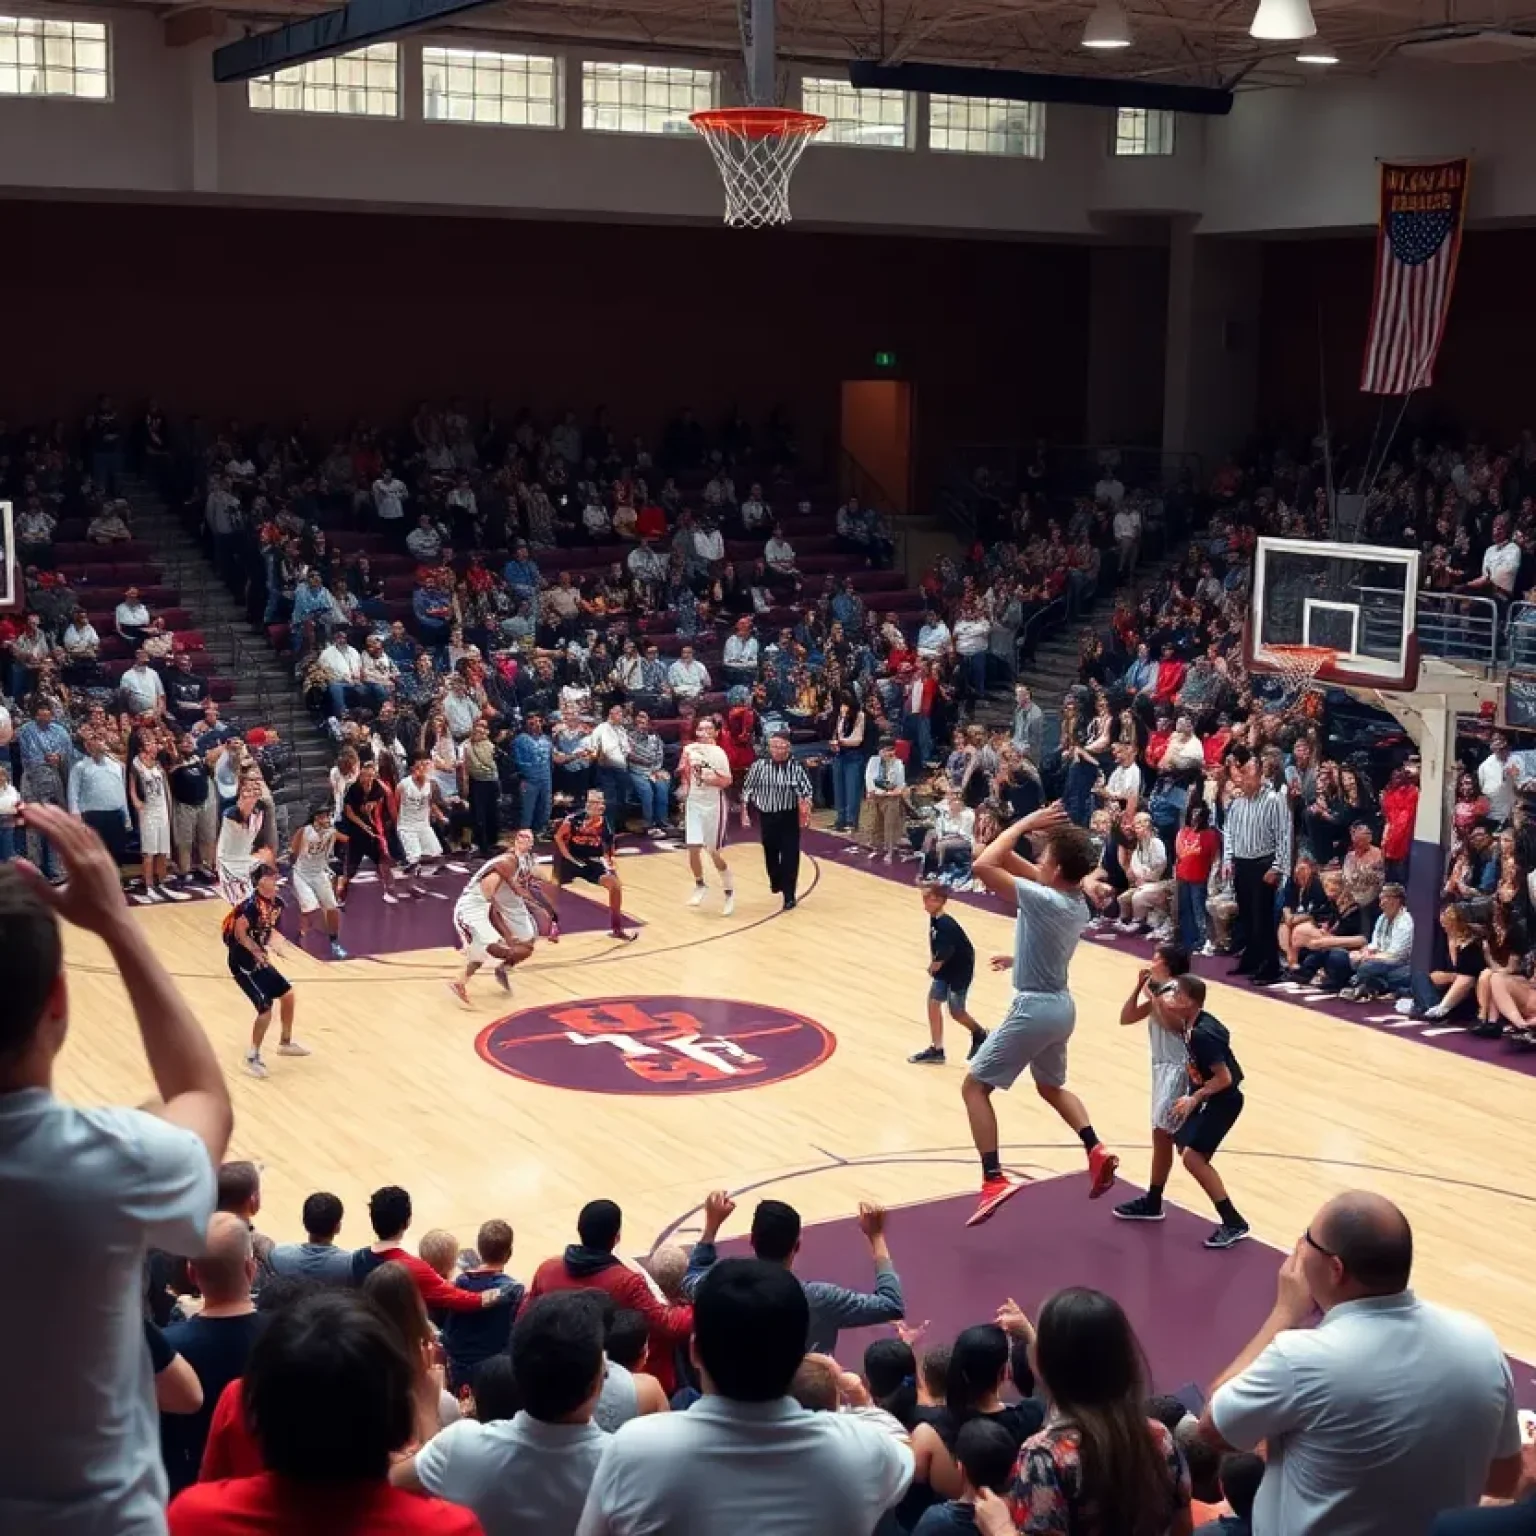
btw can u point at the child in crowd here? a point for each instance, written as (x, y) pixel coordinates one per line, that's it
(986, 1453)
(951, 965)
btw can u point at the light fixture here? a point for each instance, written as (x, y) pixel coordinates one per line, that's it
(1283, 21)
(1317, 53)
(1107, 27)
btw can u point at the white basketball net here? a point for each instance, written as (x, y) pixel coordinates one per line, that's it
(755, 165)
(1297, 667)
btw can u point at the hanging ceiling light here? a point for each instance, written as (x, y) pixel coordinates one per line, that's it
(1107, 27)
(1283, 21)
(1317, 53)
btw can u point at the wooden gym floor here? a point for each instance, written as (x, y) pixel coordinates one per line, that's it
(397, 1091)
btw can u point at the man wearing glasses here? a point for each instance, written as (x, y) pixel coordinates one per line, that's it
(1385, 1413)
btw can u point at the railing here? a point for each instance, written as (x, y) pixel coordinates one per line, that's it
(1521, 632)
(1455, 626)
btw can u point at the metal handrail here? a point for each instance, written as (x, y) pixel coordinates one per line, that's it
(1455, 626)
(1520, 631)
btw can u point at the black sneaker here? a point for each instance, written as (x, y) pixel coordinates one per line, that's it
(1227, 1235)
(1143, 1208)
(978, 1040)
(929, 1054)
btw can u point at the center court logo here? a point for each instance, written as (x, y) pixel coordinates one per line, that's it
(659, 1045)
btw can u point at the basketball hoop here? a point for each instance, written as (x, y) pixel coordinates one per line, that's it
(1297, 667)
(756, 150)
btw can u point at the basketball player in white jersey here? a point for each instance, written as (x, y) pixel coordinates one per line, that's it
(493, 917)
(418, 808)
(1170, 1074)
(311, 848)
(705, 774)
(239, 828)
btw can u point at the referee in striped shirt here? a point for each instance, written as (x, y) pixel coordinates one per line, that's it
(1258, 851)
(778, 789)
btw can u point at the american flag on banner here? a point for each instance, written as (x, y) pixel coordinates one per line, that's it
(1418, 240)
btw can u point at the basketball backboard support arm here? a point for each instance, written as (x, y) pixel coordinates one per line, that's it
(759, 51)
(1429, 714)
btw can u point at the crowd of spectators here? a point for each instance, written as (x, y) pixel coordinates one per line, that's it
(294, 1388)
(526, 578)
(107, 703)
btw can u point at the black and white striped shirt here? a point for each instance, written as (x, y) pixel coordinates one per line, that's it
(772, 786)
(1260, 829)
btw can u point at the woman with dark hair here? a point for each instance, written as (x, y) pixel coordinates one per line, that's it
(1196, 851)
(979, 1367)
(1100, 1467)
(848, 757)
(392, 1289)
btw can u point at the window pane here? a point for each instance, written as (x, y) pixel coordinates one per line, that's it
(365, 83)
(472, 85)
(976, 125)
(1139, 131)
(41, 57)
(870, 118)
(644, 98)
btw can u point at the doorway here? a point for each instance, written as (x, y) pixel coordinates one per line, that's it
(877, 435)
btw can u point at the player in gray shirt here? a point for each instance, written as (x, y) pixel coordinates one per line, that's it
(1048, 896)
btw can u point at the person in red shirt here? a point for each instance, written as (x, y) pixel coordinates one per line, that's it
(389, 1209)
(1170, 677)
(1399, 809)
(328, 1391)
(1195, 852)
(592, 1264)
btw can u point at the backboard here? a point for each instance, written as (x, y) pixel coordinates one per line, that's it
(12, 590)
(1359, 600)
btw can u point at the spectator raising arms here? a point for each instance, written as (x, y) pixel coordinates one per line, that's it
(84, 1193)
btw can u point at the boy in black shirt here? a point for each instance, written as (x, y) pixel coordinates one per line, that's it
(1215, 1100)
(952, 966)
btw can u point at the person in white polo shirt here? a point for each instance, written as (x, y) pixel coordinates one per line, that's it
(1387, 1412)
(747, 1457)
(1501, 564)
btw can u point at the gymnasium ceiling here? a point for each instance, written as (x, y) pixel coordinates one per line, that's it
(1202, 42)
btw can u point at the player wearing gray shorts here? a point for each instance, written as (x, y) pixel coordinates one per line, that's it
(1170, 1075)
(1048, 897)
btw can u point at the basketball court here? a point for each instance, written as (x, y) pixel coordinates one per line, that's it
(766, 1053)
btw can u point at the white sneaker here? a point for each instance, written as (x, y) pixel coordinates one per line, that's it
(1207, 949)
(253, 1064)
(390, 899)
(1404, 1006)
(1124, 927)
(1439, 1011)
(699, 893)
(293, 1048)
(730, 903)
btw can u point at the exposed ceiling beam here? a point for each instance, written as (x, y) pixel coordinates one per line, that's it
(351, 26)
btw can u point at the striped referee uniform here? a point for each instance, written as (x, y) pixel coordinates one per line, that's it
(777, 791)
(1258, 840)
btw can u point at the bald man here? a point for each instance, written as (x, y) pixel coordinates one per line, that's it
(216, 1342)
(1387, 1412)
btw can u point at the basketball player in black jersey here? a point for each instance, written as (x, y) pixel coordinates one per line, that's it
(584, 851)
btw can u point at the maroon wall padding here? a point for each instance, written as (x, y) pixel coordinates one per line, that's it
(269, 314)
(1483, 377)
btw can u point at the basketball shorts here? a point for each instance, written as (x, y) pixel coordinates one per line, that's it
(313, 890)
(263, 984)
(476, 932)
(704, 821)
(155, 834)
(566, 870)
(234, 879)
(1207, 1128)
(1033, 1034)
(418, 843)
(1170, 1082)
(360, 846)
(940, 991)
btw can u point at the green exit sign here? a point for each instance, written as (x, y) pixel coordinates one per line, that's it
(885, 359)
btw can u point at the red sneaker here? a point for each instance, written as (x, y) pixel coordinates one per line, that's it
(1102, 1164)
(993, 1193)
